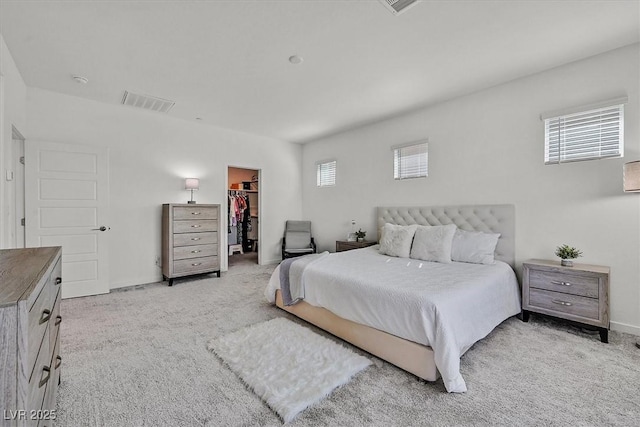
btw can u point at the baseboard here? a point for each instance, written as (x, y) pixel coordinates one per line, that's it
(136, 282)
(271, 261)
(623, 327)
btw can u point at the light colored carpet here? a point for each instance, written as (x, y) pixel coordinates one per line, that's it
(287, 365)
(139, 358)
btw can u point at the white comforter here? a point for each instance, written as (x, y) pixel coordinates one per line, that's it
(446, 306)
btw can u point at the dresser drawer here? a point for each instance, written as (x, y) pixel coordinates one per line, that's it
(190, 239)
(56, 319)
(195, 212)
(38, 319)
(194, 226)
(196, 264)
(187, 252)
(40, 376)
(564, 303)
(587, 286)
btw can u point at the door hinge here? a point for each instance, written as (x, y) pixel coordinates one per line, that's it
(22, 159)
(22, 222)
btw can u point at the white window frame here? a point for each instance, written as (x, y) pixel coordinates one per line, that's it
(331, 164)
(421, 170)
(589, 132)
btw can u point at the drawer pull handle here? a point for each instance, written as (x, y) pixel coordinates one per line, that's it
(58, 280)
(196, 226)
(195, 264)
(557, 301)
(58, 320)
(195, 213)
(46, 315)
(555, 282)
(43, 378)
(58, 361)
(195, 252)
(195, 238)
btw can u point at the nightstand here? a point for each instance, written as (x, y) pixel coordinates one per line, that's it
(579, 293)
(343, 245)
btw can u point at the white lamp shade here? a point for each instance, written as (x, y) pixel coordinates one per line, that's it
(191, 184)
(632, 176)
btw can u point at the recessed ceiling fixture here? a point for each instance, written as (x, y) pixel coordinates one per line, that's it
(295, 59)
(398, 6)
(147, 102)
(81, 80)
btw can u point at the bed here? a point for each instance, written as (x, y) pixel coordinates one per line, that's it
(420, 316)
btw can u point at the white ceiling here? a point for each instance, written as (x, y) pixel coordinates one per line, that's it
(227, 61)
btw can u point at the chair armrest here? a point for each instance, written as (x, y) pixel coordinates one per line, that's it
(313, 245)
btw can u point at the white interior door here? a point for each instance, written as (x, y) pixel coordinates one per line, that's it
(66, 204)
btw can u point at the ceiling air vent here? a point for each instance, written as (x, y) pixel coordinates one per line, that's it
(147, 102)
(398, 6)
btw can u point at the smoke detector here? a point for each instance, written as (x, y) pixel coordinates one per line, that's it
(398, 6)
(147, 102)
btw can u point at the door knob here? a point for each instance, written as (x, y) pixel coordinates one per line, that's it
(103, 228)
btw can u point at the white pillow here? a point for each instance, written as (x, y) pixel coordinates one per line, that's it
(433, 243)
(474, 246)
(396, 240)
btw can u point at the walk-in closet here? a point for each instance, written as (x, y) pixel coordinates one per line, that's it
(243, 216)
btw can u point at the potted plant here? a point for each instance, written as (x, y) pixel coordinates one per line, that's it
(567, 254)
(360, 235)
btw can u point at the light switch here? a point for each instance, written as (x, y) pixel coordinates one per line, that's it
(9, 175)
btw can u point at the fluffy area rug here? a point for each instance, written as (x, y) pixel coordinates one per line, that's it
(287, 365)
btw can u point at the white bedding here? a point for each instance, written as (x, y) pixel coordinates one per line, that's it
(446, 306)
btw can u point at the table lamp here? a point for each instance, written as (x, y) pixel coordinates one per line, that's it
(191, 184)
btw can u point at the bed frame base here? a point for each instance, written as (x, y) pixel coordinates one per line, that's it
(408, 355)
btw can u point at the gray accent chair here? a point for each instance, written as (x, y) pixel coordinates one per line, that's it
(297, 239)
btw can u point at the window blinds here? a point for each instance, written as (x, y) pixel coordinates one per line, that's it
(326, 173)
(585, 135)
(410, 161)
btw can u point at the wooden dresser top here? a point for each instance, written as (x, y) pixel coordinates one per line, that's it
(21, 270)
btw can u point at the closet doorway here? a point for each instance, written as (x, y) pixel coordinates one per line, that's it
(243, 220)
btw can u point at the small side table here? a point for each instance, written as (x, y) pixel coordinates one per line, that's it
(579, 293)
(343, 245)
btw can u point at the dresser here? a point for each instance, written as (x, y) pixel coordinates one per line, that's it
(579, 293)
(344, 245)
(30, 319)
(190, 240)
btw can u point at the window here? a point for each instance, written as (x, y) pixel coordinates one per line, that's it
(326, 173)
(410, 160)
(593, 132)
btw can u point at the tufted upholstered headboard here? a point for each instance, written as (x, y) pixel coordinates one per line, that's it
(487, 218)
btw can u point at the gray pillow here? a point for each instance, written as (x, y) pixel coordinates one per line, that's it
(396, 240)
(474, 246)
(433, 243)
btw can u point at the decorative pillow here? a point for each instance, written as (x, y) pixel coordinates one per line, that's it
(474, 246)
(396, 240)
(433, 243)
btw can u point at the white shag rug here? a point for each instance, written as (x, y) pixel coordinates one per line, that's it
(287, 365)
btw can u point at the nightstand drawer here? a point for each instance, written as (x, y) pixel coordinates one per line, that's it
(564, 303)
(587, 286)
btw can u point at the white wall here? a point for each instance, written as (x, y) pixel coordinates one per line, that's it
(487, 147)
(12, 113)
(150, 154)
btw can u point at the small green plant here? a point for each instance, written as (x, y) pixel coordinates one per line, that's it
(360, 234)
(568, 252)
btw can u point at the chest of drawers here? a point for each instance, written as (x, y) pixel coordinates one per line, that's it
(30, 362)
(579, 293)
(190, 240)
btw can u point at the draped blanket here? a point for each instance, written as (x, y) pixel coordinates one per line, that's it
(292, 276)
